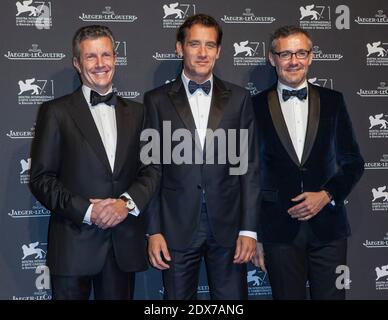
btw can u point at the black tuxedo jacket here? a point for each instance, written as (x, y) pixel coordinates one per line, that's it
(232, 200)
(69, 166)
(331, 161)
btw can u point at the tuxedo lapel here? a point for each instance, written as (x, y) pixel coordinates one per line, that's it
(79, 111)
(280, 124)
(220, 98)
(312, 123)
(179, 99)
(124, 134)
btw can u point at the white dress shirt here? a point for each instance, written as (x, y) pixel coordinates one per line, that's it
(200, 108)
(104, 117)
(295, 113)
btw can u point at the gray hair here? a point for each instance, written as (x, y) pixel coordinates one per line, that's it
(90, 32)
(284, 32)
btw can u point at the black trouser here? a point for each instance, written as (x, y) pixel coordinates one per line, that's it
(110, 284)
(306, 258)
(226, 280)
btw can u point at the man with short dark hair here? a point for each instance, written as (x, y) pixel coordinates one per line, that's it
(202, 210)
(86, 169)
(309, 163)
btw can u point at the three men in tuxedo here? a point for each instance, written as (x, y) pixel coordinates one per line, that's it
(86, 169)
(202, 210)
(309, 163)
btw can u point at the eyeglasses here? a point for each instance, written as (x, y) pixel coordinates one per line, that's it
(287, 55)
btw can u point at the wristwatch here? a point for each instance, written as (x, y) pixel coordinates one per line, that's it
(328, 194)
(129, 204)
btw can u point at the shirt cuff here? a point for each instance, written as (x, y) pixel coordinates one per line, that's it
(250, 234)
(88, 215)
(135, 212)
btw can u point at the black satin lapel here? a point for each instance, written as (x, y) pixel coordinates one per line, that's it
(123, 124)
(219, 101)
(280, 125)
(312, 122)
(181, 103)
(79, 111)
(220, 98)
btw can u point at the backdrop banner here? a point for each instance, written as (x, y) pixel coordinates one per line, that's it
(350, 55)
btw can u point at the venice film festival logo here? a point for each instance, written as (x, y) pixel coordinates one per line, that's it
(247, 17)
(121, 53)
(318, 17)
(377, 244)
(34, 14)
(35, 91)
(36, 211)
(252, 89)
(34, 53)
(380, 91)
(378, 126)
(382, 164)
(174, 14)
(33, 255)
(380, 199)
(322, 82)
(258, 283)
(107, 15)
(315, 17)
(319, 55)
(25, 166)
(380, 18)
(377, 54)
(382, 277)
(249, 53)
(19, 134)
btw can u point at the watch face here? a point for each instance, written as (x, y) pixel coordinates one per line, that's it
(130, 205)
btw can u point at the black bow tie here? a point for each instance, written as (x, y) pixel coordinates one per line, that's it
(193, 86)
(301, 94)
(96, 98)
